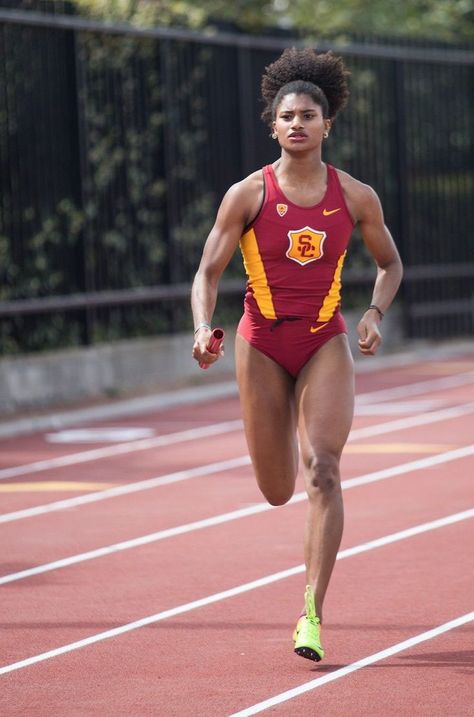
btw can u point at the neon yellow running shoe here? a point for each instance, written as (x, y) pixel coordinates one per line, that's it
(298, 626)
(307, 633)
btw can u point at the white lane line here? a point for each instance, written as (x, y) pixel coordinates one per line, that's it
(151, 403)
(150, 483)
(231, 515)
(216, 429)
(104, 434)
(349, 669)
(144, 444)
(416, 465)
(415, 389)
(401, 424)
(138, 542)
(232, 592)
(407, 533)
(398, 408)
(147, 484)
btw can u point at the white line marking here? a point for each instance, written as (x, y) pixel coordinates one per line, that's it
(149, 483)
(232, 515)
(415, 389)
(421, 359)
(232, 592)
(364, 662)
(109, 451)
(399, 407)
(401, 424)
(138, 542)
(125, 408)
(100, 434)
(416, 465)
(216, 429)
(407, 533)
(206, 393)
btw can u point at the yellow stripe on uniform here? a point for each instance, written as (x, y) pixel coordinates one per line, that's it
(256, 273)
(333, 296)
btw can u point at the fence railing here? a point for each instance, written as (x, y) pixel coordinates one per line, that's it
(117, 143)
(229, 287)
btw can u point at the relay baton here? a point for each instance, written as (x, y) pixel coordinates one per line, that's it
(214, 344)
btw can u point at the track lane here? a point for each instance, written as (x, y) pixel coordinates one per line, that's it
(218, 519)
(229, 673)
(136, 465)
(225, 410)
(203, 557)
(413, 586)
(143, 676)
(167, 507)
(423, 690)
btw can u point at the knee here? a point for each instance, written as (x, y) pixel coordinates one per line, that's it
(277, 485)
(322, 475)
(277, 497)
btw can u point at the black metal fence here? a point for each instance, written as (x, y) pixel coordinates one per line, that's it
(117, 143)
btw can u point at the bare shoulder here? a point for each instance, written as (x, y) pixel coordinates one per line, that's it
(361, 198)
(246, 196)
(247, 187)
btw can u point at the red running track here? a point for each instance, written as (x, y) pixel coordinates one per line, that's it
(189, 549)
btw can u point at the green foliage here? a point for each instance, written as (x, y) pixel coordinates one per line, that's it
(118, 237)
(39, 272)
(248, 14)
(444, 20)
(122, 187)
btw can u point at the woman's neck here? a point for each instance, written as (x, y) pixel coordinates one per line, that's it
(300, 168)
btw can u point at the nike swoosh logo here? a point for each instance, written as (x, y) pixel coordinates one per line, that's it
(328, 212)
(314, 329)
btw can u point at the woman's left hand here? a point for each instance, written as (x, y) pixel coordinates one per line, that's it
(370, 337)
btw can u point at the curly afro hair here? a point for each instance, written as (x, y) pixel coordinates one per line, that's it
(323, 77)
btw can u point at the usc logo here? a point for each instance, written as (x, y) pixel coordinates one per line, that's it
(306, 245)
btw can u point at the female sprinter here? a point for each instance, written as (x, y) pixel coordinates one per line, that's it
(293, 220)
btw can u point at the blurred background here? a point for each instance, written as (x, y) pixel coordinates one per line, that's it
(122, 124)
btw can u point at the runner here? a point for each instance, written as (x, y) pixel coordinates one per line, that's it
(293, 220)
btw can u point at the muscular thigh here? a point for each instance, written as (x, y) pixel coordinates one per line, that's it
(325, 400)
(268, 410)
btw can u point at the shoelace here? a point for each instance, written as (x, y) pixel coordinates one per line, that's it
(310, 606)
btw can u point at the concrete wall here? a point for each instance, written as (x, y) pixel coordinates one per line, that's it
(59, 378)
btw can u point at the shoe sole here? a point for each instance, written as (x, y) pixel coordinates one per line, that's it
(309, 653)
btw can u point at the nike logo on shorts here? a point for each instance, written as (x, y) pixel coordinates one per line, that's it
(314, 329)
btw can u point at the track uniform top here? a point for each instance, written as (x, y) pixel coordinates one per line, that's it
(294, 255)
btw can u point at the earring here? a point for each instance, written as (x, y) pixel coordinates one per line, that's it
(326, 134)
(274, 135)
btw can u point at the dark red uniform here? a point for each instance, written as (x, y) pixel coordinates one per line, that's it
(293, 257)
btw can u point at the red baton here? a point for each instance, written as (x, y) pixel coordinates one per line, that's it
(214, 344)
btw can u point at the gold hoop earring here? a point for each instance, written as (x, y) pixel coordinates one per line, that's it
(274, 135)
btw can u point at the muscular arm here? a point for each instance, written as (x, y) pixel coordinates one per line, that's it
(238, 207)
(367, 210)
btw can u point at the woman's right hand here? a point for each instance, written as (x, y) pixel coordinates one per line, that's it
(200, 352)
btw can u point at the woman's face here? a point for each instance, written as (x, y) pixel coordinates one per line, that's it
(299, 123)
